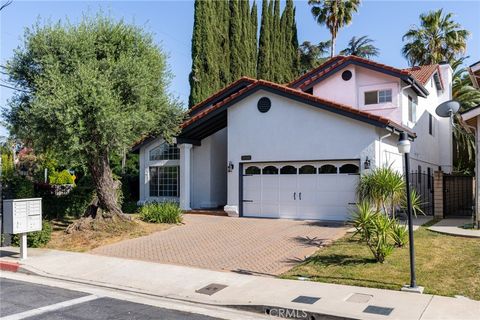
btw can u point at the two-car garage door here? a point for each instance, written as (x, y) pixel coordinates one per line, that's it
(321, 190)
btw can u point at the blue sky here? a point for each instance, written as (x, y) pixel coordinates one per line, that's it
(171, 23)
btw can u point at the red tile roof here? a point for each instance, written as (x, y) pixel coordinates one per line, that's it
(334, 62)
(423, 73)
(220, 92)
(308, 97)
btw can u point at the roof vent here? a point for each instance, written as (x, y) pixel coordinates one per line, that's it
(264, 104)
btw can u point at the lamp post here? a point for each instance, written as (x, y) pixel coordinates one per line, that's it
(404, 148)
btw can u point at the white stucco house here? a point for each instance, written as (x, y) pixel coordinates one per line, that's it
(297, 150)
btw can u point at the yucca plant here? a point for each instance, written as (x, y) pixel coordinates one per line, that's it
(399, 234)
(375, 229)
(384, 188)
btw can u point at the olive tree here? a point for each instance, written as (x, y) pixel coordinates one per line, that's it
(88, 91)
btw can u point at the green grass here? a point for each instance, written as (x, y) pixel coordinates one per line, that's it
(445, 265)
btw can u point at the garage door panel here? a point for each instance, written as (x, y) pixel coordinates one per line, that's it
(305, 195)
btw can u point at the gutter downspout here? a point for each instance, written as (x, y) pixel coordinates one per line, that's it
(380, 162)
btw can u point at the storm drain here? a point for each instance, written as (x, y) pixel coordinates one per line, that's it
(212, 288)
(359, 298)
(378, 310)
(305, 299)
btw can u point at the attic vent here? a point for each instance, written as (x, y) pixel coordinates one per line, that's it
(347, 75)
(264, 104)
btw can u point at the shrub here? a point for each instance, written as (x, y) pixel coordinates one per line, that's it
(36, 239)
(164, 212)
(19, 187)
(374, 229)
(62, 177)
(399, 234)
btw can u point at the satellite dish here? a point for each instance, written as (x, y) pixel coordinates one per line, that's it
(447, 108)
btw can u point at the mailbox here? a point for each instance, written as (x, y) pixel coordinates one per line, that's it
(22, 215)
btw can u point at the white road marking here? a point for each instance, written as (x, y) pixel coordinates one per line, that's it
(52, 307)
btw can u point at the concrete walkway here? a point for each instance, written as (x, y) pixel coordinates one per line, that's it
(243, 291)
(254, 246)
(453, 227)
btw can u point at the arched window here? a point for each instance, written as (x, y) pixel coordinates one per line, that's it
(270, 170)
(349, 168)
(288, 170)
(252, 170)
(327, 169)
(307, 169)
(165, 151)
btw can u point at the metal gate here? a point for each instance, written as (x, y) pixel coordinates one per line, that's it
(458, 196)
(423, 185)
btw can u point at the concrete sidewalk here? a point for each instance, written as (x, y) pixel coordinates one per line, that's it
(244, 291)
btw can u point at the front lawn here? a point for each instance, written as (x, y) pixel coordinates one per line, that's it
(445, 265)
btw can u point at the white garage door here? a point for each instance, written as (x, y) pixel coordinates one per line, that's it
(322, 190)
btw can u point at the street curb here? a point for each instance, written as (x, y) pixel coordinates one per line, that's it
(258, 309)
(9, 266)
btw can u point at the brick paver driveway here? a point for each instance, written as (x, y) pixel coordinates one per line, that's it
(259, 246)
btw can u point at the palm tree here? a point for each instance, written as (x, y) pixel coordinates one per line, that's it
(438, 38)
(334, 14)
(361, 47)
(312, 55)
(464, 92)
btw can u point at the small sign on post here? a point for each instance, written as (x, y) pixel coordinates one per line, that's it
(22, 216)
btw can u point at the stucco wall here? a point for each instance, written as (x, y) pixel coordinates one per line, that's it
(292, 131)
(209, 176)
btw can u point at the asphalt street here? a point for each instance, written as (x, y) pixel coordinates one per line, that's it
(25, 300)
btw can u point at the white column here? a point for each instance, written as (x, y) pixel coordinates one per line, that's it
(185, 176)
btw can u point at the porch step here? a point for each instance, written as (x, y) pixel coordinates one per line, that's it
(209, 212)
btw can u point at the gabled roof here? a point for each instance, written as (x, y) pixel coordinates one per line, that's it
(197, 128)
(337, 63)
(221, 94)
(424, 73)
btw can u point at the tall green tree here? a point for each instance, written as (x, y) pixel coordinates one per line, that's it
(311, 55)
(334, 14)
(278, 58)
(264, 50)
(361, 47)
(437, 38)
(90, 90)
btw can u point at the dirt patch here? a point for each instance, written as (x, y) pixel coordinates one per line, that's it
(102, 233)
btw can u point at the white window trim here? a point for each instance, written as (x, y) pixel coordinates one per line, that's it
(393, 86)
(157, 163)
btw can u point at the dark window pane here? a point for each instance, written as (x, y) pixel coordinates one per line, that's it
(308, 169)
(252, 170)
(270, 170)
(349, 168)
(371, 97)
(327, 169)
(288, 170)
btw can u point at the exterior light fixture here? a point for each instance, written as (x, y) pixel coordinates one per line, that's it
(403, 144)
(366, 164)
(230, 166)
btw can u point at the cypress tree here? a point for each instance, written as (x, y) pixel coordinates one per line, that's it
(236, 67)
(263, 64)
(253, 40)
(198, 59)
(276, 36)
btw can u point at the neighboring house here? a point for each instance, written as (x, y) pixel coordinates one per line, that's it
(261, 149)
(472, 119)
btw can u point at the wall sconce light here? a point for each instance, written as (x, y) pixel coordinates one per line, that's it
(366, 164)
(230, 166)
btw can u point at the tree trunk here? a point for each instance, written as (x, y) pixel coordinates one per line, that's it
(105, 186)
(332, 47)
